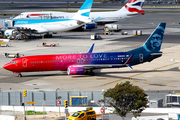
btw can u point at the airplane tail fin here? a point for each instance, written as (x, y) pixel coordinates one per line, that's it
(133, 7)
(153, 43)
(83, 13)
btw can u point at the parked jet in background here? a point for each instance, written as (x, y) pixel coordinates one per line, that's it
(38, 26)
(132, 9)
(79, 64)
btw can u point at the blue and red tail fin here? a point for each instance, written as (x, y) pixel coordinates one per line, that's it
(133, 7)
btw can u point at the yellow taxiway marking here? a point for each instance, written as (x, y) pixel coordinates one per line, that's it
(130, 77)
(172, 86)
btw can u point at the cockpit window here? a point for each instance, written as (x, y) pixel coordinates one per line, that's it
(13, 62)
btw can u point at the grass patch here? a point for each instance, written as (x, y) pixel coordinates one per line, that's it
(31, 112)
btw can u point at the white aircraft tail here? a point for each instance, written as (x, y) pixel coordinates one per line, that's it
(133, 7)
(84, 12)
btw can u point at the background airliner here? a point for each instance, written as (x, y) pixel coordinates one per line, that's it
(55, 25)
(82, 63)
(132, 9)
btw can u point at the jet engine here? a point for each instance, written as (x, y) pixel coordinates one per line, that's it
(90, 26)
(75, 71)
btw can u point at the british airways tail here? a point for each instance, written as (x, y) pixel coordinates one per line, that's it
(84, 12)
(133, 7)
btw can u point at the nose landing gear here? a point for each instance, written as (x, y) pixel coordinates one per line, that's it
(20, 75)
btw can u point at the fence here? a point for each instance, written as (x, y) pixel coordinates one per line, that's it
(15, 98)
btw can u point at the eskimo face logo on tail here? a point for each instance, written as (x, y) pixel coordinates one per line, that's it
(135, 6)
(155, 40)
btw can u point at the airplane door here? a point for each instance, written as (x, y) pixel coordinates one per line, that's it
(140, 57)
(24, 62)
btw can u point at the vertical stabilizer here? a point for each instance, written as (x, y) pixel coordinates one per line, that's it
(84, 12)
(133, 7)
(153, 43)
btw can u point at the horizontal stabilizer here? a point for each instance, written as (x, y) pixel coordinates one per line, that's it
(156, 54)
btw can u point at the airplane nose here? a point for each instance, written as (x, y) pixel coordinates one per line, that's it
(7, 66)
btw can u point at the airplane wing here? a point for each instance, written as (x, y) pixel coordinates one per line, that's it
(32, 29)
(156, 54)
(108, 20)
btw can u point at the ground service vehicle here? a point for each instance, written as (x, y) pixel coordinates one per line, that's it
(2, 44)
(83, 115)
(50, 44)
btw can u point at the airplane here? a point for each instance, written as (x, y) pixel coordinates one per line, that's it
(85, 63)
(132, 9)
(39, 26)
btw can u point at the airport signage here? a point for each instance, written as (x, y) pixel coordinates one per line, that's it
(31, 102)
(102, 110)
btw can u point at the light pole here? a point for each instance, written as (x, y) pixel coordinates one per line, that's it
(58, 98)
(104, 100)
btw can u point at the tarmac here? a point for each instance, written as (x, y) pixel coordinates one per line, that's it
(160, 74)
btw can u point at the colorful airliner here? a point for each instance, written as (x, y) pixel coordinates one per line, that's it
(39, 26)
(83, 63)
(132, 9)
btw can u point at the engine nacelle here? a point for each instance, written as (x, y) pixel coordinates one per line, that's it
(90, 26)
(9, 32)
(75, 71)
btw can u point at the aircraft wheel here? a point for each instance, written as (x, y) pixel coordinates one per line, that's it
(91, 73)
(20, 75)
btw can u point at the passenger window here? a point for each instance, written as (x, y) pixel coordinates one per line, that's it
(81, 115)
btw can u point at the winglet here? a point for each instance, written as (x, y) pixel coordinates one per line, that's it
(91, 49)
(129, 61)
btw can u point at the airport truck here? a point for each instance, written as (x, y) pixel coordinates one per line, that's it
(173, 99)
(13, 55)
(2, 44)
(113, 27)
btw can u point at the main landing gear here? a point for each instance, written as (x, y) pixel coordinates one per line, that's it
(91, 73)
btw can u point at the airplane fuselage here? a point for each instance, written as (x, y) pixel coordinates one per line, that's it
(47, 25)
(63, 61)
